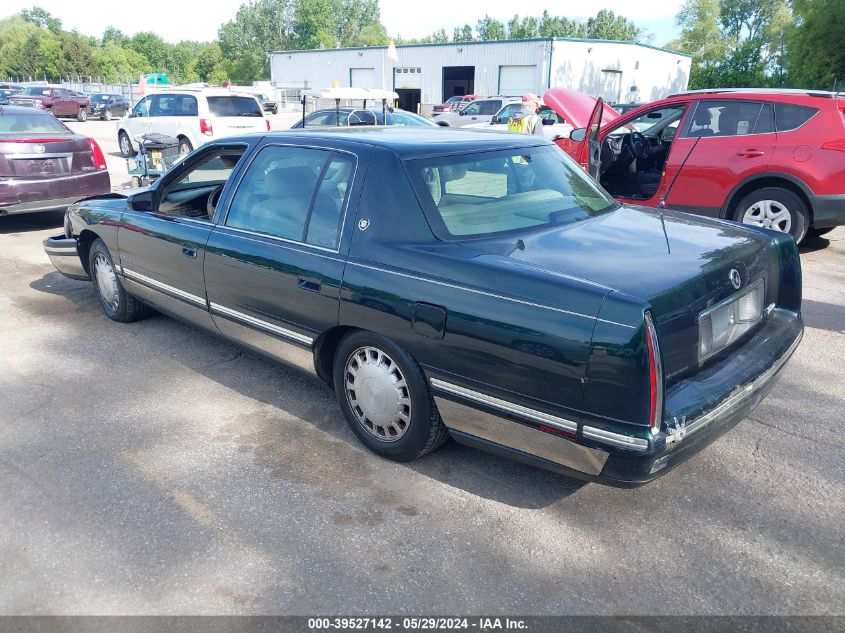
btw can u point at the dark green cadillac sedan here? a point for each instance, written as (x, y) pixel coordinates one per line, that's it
(464, 284)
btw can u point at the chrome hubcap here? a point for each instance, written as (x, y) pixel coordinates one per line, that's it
(124, 145)
(770, 214)
(107, 284)
(378, 394)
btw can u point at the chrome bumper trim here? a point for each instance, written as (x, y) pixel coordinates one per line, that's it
(505, 406)
(261, 324)
(678, 431)
(158, 285)
(616, 439)
(64, 255)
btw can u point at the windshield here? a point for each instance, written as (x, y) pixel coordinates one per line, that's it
(454, 100)
(407, 118)
(25, 123)
(492, 193)
(36, 91)
(234, 106)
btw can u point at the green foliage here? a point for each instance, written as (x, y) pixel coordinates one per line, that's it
(42, 19)
(815, 56)
(490, 29)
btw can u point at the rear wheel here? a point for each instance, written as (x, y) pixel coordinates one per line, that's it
(385, 398)
(118, 304)
(185, 146)
(774, 208)
(125, 144)
(82, 115)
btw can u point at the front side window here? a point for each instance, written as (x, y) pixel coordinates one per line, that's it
(174, 105)
(486, 194)
(294, 193)
(142, 108)
(196, 189)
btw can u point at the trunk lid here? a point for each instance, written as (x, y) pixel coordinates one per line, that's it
(679, 264)
(45, 156)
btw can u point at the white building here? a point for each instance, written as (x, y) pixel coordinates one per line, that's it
(428, 74)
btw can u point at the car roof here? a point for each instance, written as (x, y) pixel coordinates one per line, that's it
(757, 92)
(412, 142)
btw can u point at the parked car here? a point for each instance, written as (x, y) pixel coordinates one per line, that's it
(479, 111)
(44, 166)
(268, 104)
(108, 106)
(554, 125)
(7, 92)
(194, 116)
(349, 116)
(770, 158)
(58, 101)
(453, 104)
(457, 283)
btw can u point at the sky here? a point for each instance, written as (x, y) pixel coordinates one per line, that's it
(199, 20)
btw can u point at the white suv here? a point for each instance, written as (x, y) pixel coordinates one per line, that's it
(193, 116)
(479, 111)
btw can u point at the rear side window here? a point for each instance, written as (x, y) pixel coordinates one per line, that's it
(234, 106)
(731, 118)
(790, 117)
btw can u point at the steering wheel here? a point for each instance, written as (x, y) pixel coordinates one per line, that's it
(639, 144)
(213, 199)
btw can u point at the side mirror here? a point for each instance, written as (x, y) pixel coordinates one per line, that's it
(578, 135)
(548, 121)
(461, 112)
(141, 201)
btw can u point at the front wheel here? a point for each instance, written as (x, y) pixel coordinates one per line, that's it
(125, 144)
(385, 398)
(107, 115)
(774, 208)
(118, 304)
(82, 115)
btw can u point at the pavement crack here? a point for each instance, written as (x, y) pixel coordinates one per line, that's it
(814, 440)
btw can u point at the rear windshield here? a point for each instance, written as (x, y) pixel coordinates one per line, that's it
(493, 193)
(24, 123)
(234, 106)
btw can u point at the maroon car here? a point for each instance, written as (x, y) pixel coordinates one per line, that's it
(58, 101)
(45, 166)
(455, 103)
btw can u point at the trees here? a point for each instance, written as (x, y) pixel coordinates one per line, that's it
(490, 29)
(814, 55)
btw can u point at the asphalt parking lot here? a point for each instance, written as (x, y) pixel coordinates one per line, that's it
(152, 468)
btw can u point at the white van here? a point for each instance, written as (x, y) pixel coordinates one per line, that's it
(194, 116)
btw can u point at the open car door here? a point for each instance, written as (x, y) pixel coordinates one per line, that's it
(589, 149)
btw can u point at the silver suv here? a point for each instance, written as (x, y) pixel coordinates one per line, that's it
(479, 111)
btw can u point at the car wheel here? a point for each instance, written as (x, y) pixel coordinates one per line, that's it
(107, 115)
(118, 304)
(125, 144)
(774, 208)
(185, 146)
(82, 115)
(385, 398)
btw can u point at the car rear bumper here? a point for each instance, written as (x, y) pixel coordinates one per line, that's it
(828, 211)
(22, 195)
(64, 254)
(698, 411)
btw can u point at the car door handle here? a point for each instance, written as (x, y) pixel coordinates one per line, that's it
(750, 153)
(189, 252)
(311, 285)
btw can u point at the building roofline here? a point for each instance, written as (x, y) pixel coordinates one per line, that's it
(484, 42)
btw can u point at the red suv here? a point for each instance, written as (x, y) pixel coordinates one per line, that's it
(771, 158)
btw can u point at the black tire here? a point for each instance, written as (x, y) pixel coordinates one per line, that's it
(185, 146)
(82, 115)
(123, 307)
(424, 432)
(785, 200)
(125, 144)
(107, 115)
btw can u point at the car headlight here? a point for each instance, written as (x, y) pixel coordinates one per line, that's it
(727, 321)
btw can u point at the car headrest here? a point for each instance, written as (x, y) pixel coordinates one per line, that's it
(702, 117)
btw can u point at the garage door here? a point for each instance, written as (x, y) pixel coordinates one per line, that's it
(362, 77)
(515, 81)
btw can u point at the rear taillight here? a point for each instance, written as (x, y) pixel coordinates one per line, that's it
(267, 121)
(97, 155)
(655, 376)
(838, 145)
(205, 127)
